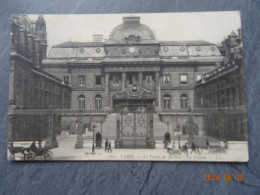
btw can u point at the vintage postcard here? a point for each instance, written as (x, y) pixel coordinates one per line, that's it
(135, 87)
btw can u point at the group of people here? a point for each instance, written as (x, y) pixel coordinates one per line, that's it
(108, 146)
(184, 148)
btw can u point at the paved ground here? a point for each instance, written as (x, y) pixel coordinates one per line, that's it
(67, 151)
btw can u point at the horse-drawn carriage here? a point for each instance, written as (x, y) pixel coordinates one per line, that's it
(31, 152)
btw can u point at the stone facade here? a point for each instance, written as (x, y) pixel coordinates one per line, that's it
(132, 69)
(132, 87)
(33, 93)
(221, 93)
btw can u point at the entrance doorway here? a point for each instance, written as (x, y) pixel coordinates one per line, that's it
(135, 125)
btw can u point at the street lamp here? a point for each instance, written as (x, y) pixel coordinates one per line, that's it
(93, 145)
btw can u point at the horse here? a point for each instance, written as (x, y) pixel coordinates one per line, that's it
(13, 150)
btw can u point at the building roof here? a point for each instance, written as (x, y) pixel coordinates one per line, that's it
(187, 43)
(132, 33)
(70, 44)
(131, 27)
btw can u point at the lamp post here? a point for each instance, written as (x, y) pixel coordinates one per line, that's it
(93, 145)
(179, 134)
(92, 128)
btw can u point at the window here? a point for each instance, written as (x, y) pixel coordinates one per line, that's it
(66, 79)
(183, 79)
(98, 102)
(81, 102)
(81, 80)
(98, 80)
(130, 78)
(166, 102)
(198, 78)
(184, 101)
(166, 79)
(149, 79)
(115, 80)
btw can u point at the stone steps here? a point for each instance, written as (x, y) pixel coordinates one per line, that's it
(109, 127)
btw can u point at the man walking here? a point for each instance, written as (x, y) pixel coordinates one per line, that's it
(106, 144)
(193, 147)
(109, 147)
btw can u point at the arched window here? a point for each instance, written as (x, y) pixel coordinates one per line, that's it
(167, 102)
(98, 102)
(184, 101)
(82, 101)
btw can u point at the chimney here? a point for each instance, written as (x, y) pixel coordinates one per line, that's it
(97, 38)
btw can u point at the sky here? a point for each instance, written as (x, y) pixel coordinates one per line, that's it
(207, 26)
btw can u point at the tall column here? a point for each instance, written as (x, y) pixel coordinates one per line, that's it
(140, 80)
(107, 102)
(157, 90)
(12, 84)
(123, 80)
(236, 96)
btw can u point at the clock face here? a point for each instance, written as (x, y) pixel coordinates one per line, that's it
(131, 49)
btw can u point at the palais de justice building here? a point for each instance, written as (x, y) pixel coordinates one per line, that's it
(135, 87)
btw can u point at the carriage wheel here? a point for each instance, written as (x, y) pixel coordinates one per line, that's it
(47, 155)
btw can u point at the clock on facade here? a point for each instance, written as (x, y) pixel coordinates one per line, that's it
(131, 49)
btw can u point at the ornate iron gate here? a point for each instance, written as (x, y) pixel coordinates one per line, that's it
(136, 130)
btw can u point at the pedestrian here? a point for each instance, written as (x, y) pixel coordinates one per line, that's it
(109, 147)
(106, 144)
(207, 144)
(185, 148)
(193, 147)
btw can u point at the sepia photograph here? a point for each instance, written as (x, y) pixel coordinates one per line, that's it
(127, 87)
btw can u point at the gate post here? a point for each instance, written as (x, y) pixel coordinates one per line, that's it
(118, 128)
(79, 143)
(151, 141)
(51, 137)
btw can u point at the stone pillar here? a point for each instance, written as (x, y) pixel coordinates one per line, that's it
(79, 129)
(123, 80)
(107, 92)
(236, 103)
(51, 137)
(140, 80)
(12, 84)
(10, 127)
(37, 47)
(157, 91)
